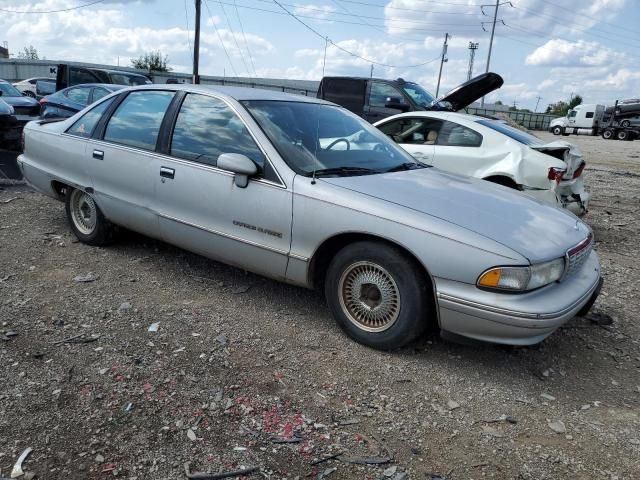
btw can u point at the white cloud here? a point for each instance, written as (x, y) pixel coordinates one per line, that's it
(558, 52)
(320, 12)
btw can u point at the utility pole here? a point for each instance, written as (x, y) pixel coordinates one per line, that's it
(493, 31)
(442, 60)
(324, 59)
(472, 53)
(371, 74)
(536, 109)
(196, 44)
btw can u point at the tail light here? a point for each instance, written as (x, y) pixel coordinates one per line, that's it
(43, 100)
(579, 170)
(556, 174)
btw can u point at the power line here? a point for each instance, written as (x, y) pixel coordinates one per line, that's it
(430, 30)
(373, 62)
(206, 4)
(246, 44)
(53, 11)
(235, 40)
(186, 17)
(415, 9)
(599, 20)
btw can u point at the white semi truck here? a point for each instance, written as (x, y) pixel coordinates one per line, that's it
(619, 122)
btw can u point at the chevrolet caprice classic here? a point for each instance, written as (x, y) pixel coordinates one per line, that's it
(252, 178)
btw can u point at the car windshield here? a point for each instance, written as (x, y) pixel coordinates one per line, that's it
(327, 140)
(418, 94)
(518, 135)
(9, 90)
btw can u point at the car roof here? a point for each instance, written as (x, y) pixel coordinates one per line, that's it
(112, 86)
(443, 114)
(122, 72)
(236, 93)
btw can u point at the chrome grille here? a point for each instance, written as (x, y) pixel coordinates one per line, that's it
(577, 255)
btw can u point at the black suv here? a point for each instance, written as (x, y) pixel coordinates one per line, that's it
(375, 98)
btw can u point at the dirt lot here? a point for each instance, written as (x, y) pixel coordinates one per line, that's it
(240, 362)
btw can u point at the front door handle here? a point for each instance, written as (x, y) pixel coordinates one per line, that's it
(98, 154)
(166, 172)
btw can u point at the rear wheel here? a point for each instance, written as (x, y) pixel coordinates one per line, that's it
(607, 134)
(86, 219)
(625, 123)
(378, 295)
(557, 130)
(622, 135)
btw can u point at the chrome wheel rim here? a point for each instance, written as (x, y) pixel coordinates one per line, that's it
(83, 212)
(369, 296)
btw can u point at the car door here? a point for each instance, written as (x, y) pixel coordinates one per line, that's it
(417, 135)
(199, 206)
(458, 149)
(380, 96)
(122, 159)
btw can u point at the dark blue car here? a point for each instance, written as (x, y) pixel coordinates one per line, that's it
(65, 103)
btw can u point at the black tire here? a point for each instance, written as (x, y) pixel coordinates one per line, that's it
(556, 130)
(28, 93)
(607, 134)
(622, 135)
(86, 219)
(369, 265)
(625, 123)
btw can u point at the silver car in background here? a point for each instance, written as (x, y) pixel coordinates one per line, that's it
(305, 192)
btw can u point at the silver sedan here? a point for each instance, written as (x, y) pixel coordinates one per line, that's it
(303, 191)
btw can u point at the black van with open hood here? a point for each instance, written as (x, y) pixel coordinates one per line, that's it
(375, 98)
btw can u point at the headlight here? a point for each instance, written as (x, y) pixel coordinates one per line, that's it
(520, 279)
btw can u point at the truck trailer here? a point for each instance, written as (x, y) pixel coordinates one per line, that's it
(618, 122)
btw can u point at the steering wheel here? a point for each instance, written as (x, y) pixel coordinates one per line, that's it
(338, 141)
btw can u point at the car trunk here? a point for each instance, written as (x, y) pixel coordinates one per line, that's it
(565, 151)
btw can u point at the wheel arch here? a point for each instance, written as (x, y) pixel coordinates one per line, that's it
(320, 259)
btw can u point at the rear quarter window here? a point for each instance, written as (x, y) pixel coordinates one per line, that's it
(86, 124)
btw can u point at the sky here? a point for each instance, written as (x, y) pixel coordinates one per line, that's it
(551, 49)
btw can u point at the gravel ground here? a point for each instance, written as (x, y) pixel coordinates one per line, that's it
(239, 364)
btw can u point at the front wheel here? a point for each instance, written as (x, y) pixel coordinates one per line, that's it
(557, 130)
(378, 295)
(625, 123)
(86, 219)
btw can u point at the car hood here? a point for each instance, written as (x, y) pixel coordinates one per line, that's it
(20, 101)
(533, 229)
(464, 95)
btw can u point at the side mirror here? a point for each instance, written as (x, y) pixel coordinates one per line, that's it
(241, 165)
(396, 103)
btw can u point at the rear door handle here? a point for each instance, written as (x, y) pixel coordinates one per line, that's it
(166, 172)
(98, 154)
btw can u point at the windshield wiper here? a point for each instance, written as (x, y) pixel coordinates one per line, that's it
(343, 171)
(407, 166)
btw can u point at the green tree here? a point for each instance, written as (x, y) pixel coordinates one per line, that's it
(29, 53)
(498, 102)
(575, 101)
(152, 61)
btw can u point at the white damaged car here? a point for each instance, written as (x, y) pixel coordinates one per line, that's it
(494, 151)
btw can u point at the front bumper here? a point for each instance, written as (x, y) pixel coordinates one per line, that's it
(516, 319)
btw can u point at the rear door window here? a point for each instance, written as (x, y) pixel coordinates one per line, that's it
(79, 95)
(86, 124)
(455, 135)
(136, 122)
(207, 127)
(99, 92)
